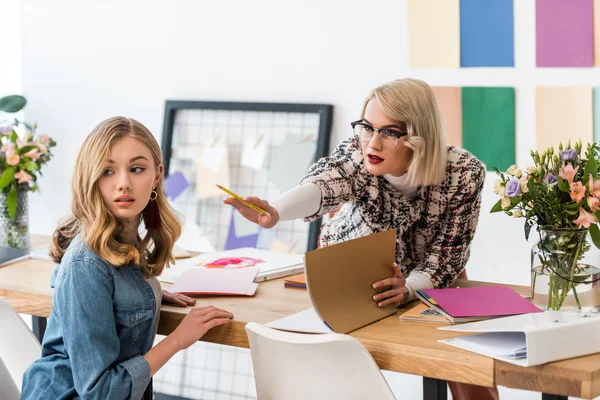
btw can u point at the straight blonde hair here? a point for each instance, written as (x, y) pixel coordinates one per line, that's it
(99, 229)
(412, 102)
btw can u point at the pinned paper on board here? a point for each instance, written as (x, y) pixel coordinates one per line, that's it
(212, 157)
(279, 246)
(175, 184)
(439, 47)
(449, 102)
(597, 33)
(194, 239)
(254, 153)
(554, 106)
(292, 161)
(236, 242)
(564, 33)
(486, 33)
(207, 178)
(488, 121)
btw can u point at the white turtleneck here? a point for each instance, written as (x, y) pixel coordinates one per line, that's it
(305, 200)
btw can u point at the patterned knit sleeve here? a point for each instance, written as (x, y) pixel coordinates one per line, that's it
(450, 249)
(340, 177)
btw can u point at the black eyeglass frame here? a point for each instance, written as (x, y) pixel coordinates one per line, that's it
(395, 133)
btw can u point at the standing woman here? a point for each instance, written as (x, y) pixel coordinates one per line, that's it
(394, 172)
(105, 309)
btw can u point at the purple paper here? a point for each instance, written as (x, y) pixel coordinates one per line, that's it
(235, 242)
(481, 301)
(564, 33)
(175, 184)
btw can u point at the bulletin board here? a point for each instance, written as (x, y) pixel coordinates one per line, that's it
(198, 135)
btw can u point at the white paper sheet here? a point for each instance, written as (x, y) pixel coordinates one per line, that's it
(306, 321)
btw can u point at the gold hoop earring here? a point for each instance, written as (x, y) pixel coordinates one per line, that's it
(153, 195)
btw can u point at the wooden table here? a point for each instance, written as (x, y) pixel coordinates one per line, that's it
(401, 346)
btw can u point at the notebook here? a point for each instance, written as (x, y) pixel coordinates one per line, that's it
(296, 281)
(422, 313)
(217, 281)
(477, 303)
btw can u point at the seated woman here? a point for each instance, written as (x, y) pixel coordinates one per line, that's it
(394, 172)
(105, 309)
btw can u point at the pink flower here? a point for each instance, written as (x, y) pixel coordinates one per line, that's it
(585, 219)
(42, 148)
(21, 143)
(9, 145)
(568, 173)
(593, 203)
(12, 158)
(44, 139)
(577, 191)
(594, 187)
(33, 153)
(23, 177)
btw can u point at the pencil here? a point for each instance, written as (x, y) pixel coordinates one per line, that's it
(237, 197)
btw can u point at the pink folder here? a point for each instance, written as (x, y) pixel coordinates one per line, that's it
(217, 281)
(481, 301)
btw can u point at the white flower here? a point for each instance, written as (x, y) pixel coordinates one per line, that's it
(517, 214)
(531, 169)
(502, 191)
(514, 171)
(505, 202)
(523, 182)
(497, 186)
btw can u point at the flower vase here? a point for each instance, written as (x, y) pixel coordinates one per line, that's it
(565, 273)
(14, 232)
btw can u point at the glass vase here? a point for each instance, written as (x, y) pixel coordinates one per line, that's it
(14, 232)
(565, 273)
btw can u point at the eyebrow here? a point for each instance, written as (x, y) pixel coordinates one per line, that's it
(132, 160)
(385, 126)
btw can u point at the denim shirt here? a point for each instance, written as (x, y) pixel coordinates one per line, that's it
(101, 324)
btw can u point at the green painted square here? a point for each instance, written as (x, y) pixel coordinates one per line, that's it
(488, 123)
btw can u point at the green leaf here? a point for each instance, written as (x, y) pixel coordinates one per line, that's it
(11, 201)
(7, 176)
(25, 149)
(12, 104)
(498, 207)
(595, 235)
(527, 230)
(563, 185)
(14, 136)
(590, 168)
(31, 166)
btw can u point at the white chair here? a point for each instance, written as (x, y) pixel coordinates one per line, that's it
(305, 366)
(19, 348)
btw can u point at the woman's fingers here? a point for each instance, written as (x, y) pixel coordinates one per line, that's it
(389, 282)
(216, 314)
(389, 293)
(396, 300)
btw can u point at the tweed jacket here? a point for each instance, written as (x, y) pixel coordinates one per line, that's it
(434, 228)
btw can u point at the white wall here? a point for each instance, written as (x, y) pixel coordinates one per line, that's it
(84, 61)
(10, 49)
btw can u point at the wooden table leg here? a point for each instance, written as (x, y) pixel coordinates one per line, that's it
(39, 327)
(435, 389)
(546, 396)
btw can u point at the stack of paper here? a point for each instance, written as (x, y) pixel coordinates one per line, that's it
(270, 265)
(217, 281)
(511, 345)
(476, 303)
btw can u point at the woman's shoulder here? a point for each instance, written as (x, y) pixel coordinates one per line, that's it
(462, 162)
(78, 253)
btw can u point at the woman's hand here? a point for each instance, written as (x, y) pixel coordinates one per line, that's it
(266, 221)
(395, 294)
(178, 299)
(199, 321)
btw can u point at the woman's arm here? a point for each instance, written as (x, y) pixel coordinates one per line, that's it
(449, 250)
(299, 202)
(83, 302)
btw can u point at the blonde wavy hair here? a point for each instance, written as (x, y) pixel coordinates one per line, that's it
(99, 229)
(412, 102)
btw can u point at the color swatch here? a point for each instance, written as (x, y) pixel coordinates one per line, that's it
(486, 33)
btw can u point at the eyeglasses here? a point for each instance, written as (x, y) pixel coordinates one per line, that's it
(364, 132)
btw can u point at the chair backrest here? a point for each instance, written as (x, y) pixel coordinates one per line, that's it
(19, 348)
(307, 366)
